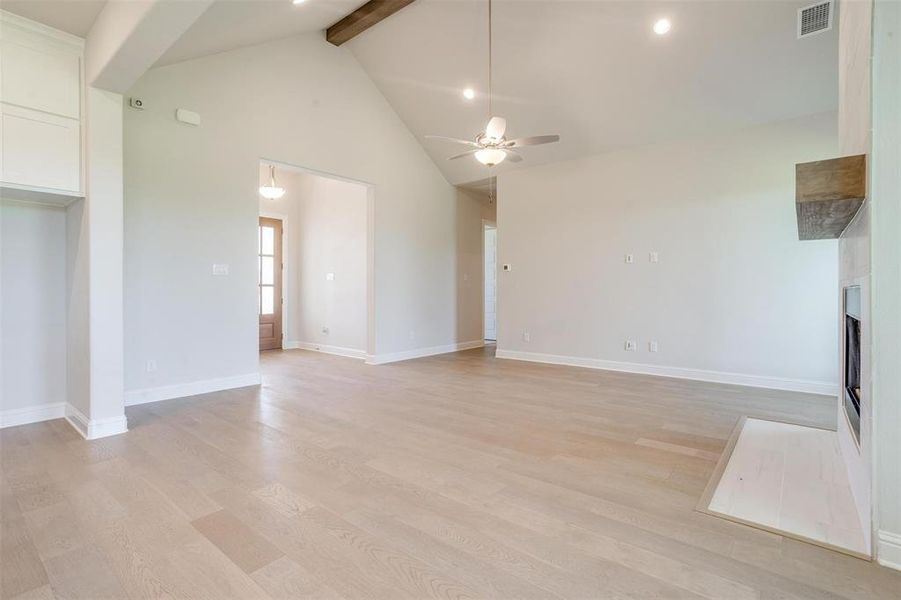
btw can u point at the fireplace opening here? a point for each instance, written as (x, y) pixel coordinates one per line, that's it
(852, 359)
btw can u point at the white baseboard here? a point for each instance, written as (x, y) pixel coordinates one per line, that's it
(32, 414)
(93, 429)
(325, 349)
(776, 383)
(888, 549)
(180, 390)
(381, 359)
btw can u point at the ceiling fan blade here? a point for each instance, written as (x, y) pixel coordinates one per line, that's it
(513, 155)
(535, 140)
(496, 128)
(450, 139)
(467, 153)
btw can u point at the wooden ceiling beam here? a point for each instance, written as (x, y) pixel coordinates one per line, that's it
(362, 19)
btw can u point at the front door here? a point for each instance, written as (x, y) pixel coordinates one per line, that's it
(269, 283)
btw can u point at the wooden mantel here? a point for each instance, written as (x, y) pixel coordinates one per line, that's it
(828, 194)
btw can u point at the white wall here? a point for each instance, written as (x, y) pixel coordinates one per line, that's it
(105, 206)
(854, 270)
(854, 50)
(191, 201)
(885, 206)
(325, 223)
(734, 290)
(854, 35)
(32, 306)
(78, 338)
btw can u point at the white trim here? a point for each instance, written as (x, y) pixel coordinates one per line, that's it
(32, 414)
(180, 390)
(381, 359)
(93, 429)
(325, 349)
(888, 549)
(762, 381)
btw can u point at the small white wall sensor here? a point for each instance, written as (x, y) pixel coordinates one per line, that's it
(186, 116)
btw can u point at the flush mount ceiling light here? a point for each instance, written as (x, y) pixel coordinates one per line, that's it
(490, 156)
(272, 191)
(298, 1)
(491, 147)
(662, 26)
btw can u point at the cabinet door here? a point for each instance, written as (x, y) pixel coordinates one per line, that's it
(44, 79)
(39, 149)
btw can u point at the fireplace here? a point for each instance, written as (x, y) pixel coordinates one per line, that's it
(851, 375)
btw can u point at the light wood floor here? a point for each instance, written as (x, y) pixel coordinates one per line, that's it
(458, 476)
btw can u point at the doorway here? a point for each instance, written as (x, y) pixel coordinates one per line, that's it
(321, 282)
(269, 282)
(490, 292)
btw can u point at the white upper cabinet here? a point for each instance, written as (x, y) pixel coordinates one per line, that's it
(41, 112)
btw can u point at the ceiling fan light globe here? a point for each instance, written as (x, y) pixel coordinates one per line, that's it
(490, 156)
(272, 192)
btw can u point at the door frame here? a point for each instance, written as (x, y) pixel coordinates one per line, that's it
(370, 244)
(488, 224)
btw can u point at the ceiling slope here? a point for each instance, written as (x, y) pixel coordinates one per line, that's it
(594, 72)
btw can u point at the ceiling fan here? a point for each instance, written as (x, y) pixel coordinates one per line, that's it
(491, 147)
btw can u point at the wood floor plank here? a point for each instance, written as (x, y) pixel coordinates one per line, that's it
(447, 477)
(237, 541)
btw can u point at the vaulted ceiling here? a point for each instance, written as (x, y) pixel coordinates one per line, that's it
(594, 71)
(590, 70)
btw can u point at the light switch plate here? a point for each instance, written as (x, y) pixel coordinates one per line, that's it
(329, 276)
(630, 259)
(653, 257)
(508, 267)
(630, 346)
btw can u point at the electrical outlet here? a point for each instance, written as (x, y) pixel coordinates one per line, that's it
(526, 336)
(652, 346)
(630, 345)
(630, 258)
(653, 257)
(151, 366)
(329, 276)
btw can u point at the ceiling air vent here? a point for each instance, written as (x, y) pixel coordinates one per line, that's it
(814, 19)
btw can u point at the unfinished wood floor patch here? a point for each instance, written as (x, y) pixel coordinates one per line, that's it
(791, 480)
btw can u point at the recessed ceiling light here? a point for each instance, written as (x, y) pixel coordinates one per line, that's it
(469, 93)
(298, 1)
(662, 26)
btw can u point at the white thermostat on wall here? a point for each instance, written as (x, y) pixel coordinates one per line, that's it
(188, 117)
